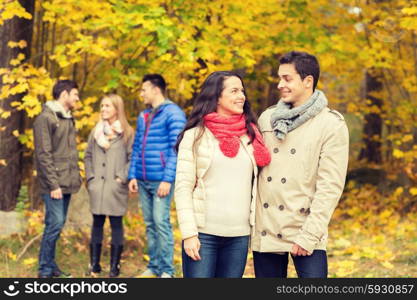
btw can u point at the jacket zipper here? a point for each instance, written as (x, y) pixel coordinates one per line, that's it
(161, 154)
(147, 126)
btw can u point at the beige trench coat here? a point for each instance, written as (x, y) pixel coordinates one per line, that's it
(299, 190)
(190, 189)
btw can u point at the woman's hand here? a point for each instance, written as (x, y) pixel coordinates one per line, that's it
(192, 246)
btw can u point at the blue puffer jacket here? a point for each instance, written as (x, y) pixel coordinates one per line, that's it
(153, 156)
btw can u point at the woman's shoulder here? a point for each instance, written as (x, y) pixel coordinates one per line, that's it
(194, 137)
(193, 132)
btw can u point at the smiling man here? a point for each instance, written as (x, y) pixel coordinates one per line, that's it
(300, 188)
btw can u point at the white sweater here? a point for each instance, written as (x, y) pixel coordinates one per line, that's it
(192, 189)
(228, 201)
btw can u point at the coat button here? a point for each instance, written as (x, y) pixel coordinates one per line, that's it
(279, 235)
(102, 177)
(283, 180)
(276, 150)
(281, 207)
(263, 233)
(269, 178)
(266, 205)
(293, 151)
(104, 164)
(302, 210)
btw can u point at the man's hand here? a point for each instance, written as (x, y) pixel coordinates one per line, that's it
(164, 188)
(56, 194)
(192, 246)
(133, 185)
(299, 251)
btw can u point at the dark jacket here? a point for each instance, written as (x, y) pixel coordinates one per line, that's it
(102, 168)
(56, 155)
(153, 156)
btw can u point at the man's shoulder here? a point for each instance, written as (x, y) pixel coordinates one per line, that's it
(330, 120)
(172, 108)
(266, 116)
(270, 107)
(173, 113)
(46, 115)
(268, 111)
(335, 113)
(332, 116)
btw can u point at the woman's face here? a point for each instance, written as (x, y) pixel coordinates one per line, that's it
(232, 98)
(108, 111)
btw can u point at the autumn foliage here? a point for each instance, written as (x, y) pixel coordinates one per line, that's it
(367, 52)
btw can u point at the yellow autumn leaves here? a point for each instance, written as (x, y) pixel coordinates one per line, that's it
(10, 9)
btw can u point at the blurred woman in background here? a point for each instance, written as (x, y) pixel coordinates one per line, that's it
(106, 165)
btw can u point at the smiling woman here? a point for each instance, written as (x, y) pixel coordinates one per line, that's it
(219, 152)
(108, 111)
(106, 163)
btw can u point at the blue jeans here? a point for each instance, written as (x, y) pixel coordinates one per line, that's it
(223, 257)
(269, 265)
(55, 216)
(156, 213)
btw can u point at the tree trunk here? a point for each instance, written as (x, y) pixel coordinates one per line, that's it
(15, 29)
(372, 130)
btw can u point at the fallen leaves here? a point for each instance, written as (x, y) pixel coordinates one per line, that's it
(375, 237)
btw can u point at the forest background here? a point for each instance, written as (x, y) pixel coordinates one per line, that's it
(368, 55)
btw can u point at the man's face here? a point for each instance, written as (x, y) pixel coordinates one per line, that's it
(148, 92)
(71, 99)
(292, 88)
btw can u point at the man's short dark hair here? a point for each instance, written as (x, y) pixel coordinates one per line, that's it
(156, 80)
(63, 85)
(305, 64)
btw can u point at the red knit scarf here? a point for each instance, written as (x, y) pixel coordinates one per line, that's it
(228, 130)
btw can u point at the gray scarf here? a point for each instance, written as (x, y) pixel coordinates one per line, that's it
(285, 119)
(57, 107)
